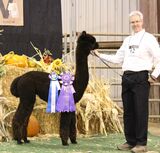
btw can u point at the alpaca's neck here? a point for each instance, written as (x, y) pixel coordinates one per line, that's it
(81, 77)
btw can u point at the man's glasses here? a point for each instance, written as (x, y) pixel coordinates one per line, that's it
(133, 22)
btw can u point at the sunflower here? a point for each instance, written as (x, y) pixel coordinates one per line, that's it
(57, 63)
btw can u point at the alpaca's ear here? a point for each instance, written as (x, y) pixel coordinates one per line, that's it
(83, 33)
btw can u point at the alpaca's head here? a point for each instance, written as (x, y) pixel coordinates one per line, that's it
(86, 43)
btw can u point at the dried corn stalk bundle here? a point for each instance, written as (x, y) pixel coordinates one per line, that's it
(6, 113)
(96, 112)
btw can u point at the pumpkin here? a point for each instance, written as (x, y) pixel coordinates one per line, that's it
(17, 60)
(33, 126)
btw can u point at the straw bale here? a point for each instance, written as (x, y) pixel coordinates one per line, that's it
(96, 112)
(5, 118)
(11, 73)
(49, 122)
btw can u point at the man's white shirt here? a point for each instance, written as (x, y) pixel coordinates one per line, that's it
(138, 52)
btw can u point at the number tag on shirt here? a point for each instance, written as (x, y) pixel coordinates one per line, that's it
(133, 49)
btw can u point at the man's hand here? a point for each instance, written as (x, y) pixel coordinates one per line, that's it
(96, 52)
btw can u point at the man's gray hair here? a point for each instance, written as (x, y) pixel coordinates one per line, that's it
(133, 13)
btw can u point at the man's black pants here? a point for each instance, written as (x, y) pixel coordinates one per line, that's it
(135, 95)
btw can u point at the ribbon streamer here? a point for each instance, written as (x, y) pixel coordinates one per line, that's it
(65, 102)
(53, 93)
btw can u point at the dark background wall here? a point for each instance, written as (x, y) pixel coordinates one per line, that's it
(42, 27)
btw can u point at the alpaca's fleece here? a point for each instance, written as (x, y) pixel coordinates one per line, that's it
(33, 83)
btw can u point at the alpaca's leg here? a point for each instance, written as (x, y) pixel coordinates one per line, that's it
(17, 134)
(73, 133)
(64, 127)
(25, 130)
(17, 125)
(27, 113)
(21, 117)
(16, 130)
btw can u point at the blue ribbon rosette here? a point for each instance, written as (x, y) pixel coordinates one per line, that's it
(53, 93)
(65, 102)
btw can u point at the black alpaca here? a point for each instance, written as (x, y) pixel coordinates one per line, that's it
(33, 83)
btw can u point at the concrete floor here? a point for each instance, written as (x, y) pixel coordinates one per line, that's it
(154, 128)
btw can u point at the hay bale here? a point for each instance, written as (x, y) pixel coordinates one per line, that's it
(5, 119)
(49, 122)
(11, 72)
(96, 112)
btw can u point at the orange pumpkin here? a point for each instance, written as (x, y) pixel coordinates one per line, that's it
(33, 126)
(17, 60)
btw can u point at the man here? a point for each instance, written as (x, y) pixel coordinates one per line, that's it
(138, 54)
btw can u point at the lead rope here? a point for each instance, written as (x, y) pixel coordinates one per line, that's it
(92, 53)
